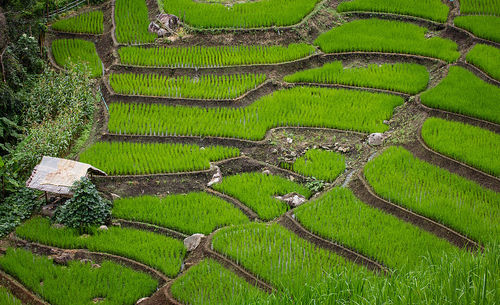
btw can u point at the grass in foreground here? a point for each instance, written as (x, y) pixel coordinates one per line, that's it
(77, 283)
(160, 252)
(191, 213)
(472, 145)
(132, 21)
(90, 22)
(204, 87)
(257, 191)
(6, 298)
(463, 92)
(482, 26)
(339, 216)
(300, 106)
(74, 51)
(320, 164)
(463, 205)
(407, 78)
(208, 57)
(428, 9)
(487, 58)
(210, 283)
(376, 35)
(125, 158)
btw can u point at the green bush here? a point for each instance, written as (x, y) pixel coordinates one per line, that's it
(17, 207)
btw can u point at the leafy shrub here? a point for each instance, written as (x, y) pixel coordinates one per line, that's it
(16, 208)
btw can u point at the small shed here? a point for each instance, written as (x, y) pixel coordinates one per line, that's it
(56, 175)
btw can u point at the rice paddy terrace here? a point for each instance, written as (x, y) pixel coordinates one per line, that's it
(382, 115)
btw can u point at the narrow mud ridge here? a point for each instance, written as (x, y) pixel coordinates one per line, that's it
(479, 73)
(292, 225)
(422, 22)
(238, 204)
(150, 227)
(364, 192)
(19, 291)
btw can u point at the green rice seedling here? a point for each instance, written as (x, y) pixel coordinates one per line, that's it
(132, 22)
(74, 51)
(486, 58)
(191, 213)
(475, 146)
(376, 35)
(407, 78)
(428, 9)
(463, 92)
(463, 205)
(8, 299)
(204, 87)
(125, 158)
(257, 191)
(253, 14)
(339, 216)
(78, 283)
(209, 57)
(90, 22)
(210, 283)
(300, 106)
(158, 251)
(485, 7)
(320, 164)
(482, 26)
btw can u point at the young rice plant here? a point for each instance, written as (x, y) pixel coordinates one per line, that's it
(74, 51)
(482, 26)
(6, 298)
(90, 23)
(320, 164)
(132, 22)
(487, 58)
(482, 7)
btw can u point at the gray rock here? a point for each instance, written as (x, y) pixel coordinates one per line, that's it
(289, 140)
(292, 199)
(376, 139)
(266, 172)
(103, 228)
(274, 151)
(64, 258)
(141, 300)
(193, 241)
(216, 178)
(114, 196)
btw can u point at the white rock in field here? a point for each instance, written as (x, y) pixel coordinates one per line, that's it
(141, 300)
(293, 199)
(193, 241)
(103, 228)
(266, 172)
(216, 178)
(289, 140)
(114, 196)
(376, 139)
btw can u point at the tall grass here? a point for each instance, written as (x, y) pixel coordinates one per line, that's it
(428, 9)
(209, 57)
(482, 26)
(463, 92)
(191, 213)
(204, 87)
(320, 164)
(132, 21)
(90, 22)
(8, 299)
(253, 14)
(155, 250)
(469, 144)
(210, 283)
(257, 191)
(408, 78)
(376, 35)
(300, 106)
(399, 177)
(485, 7)
(122, 158)
(486, 58)
(78, 283)
(341, 217)
(74, 51)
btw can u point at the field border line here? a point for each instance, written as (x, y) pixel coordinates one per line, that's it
(144, 226)
(251, 214)
(482, 74)
(428, 23)
(18, 290)
(288, 85)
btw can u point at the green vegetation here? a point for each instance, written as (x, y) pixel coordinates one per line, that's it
(16, 207)
(399, 177)
(209, 283)
(341, 217)
(486, 58)
(125, 158)
(74, 51)
(320, 164)
(132, 21)
(8, 299)
(300, 106)
(475, 146)
(428, 9)
(257, 191)
(204, 87)
(482, 26)
(465, 93)
(487, 7)
(90, 22)
(376, 35)
(155, 250)
(191, 213)
(254, 14)
(78, 283)
(408, 78)
(207, 57)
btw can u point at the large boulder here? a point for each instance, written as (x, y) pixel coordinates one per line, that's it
(192, 242)
(167, 21)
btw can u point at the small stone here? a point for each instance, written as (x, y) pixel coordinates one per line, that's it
(293, 199)
(293, 154)
(85, 261)
(141, 300)
(114, 196)
(376, 139)
(96, 266)
(193, 241)
(289, 140)
(64, 258)
(103, 228)
(216, 178)
(314, 147)
(274, 151)
(266, 172)
(387, 122)
(292, 178)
